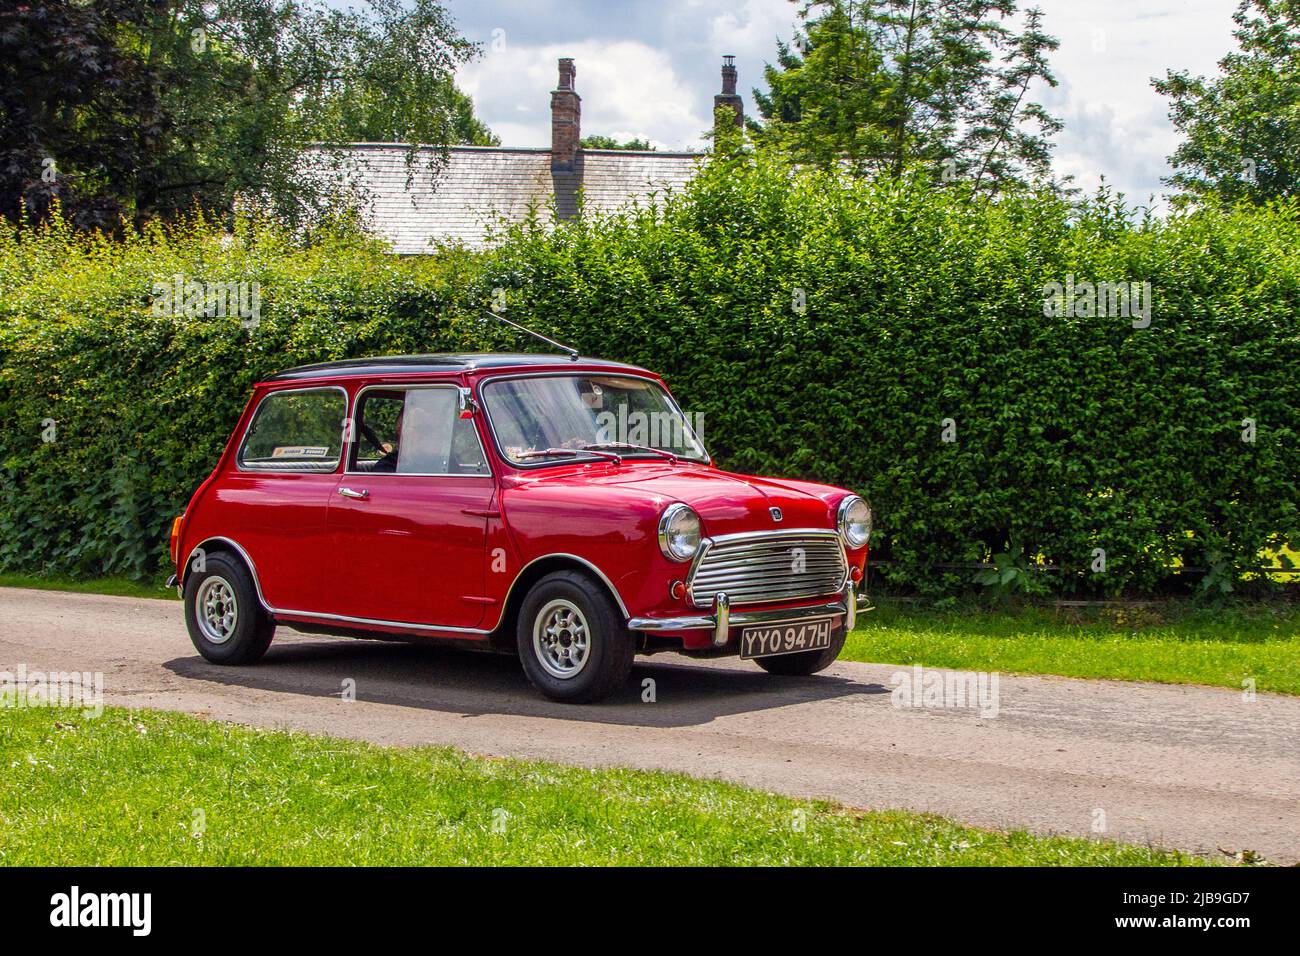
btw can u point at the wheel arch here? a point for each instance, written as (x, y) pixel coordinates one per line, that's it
(222, 545)
(534, 571)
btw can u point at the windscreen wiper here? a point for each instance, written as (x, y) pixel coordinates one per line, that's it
(628, 446)
(571, 453)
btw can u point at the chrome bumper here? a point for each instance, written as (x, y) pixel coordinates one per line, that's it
(723, 618)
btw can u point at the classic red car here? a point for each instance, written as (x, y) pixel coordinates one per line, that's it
(562, 508)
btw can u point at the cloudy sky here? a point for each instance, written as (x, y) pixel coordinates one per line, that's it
(649, 68)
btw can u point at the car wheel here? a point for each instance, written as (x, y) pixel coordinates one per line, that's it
(226, 621)
(806, 662)
(573, 643)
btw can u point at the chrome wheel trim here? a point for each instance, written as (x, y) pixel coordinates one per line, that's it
(561, 639)
(216, 610)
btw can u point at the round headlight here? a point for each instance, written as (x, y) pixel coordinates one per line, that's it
(679, 533)
(854, 521)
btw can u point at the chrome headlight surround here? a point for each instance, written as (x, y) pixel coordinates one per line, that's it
(853, 519)
(679, 532)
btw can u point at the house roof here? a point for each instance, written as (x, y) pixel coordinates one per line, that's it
(444, 362)
(485, 185)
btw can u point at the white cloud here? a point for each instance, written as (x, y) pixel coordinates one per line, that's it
(1116, 124)
(628, 88)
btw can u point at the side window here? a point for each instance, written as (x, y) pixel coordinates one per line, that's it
(415, 431)
(296, 431)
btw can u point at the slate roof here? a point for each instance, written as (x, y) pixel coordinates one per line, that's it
(482, 184)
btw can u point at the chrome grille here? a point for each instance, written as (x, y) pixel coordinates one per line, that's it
(752, 569)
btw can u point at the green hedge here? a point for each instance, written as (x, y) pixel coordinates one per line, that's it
(922, 305)
(143, 404)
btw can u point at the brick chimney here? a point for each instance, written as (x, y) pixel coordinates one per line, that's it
(566, 119)
(728, 97)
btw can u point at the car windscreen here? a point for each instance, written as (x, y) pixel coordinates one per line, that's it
(536, 418)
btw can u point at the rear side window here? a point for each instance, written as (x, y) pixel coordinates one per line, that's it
(296, 431)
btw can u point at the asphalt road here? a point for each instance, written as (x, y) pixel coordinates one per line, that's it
(1200, 769)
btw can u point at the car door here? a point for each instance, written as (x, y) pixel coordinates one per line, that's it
(408, 522)
(275, 499)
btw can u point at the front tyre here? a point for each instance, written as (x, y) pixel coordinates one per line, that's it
(226, 621)
(806, 662)
(573, 643)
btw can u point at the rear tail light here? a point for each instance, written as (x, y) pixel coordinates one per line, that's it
(175, 537)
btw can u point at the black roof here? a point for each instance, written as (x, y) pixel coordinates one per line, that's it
(438, 362)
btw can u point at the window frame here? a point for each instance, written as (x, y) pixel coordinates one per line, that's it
(488, 380)
(265, 469)
(407, 387)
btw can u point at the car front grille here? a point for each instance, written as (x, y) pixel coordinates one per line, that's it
(784, 566)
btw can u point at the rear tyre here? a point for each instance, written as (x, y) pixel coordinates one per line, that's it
(806, 662)
(226, 621)
(572, 640)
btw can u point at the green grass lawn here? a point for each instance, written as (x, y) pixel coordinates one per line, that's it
(1173, 644)
(145, 788)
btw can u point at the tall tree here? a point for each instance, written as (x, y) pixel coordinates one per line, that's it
(73, 106)
(880, 85)
(146, 108)
(1242, 129)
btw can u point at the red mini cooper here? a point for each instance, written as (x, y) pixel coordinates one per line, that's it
(563, 508)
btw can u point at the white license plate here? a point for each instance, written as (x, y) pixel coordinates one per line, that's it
(790, 637)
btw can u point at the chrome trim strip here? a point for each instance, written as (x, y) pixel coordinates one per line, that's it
(707, 545)
(664, 519)
(257, 584)
(708, 622)
(774, 533)
(272, 469)
(840, 511)
(721, 618)
(406, 625)
(252, 568)
(485, 380)
(404, 387)
(560, 554)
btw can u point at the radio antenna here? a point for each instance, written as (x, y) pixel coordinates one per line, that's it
(571, 352)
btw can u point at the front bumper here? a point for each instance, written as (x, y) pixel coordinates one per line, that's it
(723, 618)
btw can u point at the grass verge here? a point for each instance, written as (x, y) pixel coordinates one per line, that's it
(147, 788)
(1176, 644)
(120, 586)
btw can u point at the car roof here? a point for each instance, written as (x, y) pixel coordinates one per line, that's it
(445, 362)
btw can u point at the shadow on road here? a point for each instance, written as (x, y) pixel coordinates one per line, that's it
(474, 684)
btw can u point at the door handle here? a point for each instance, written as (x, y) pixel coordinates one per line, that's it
(349, 493)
